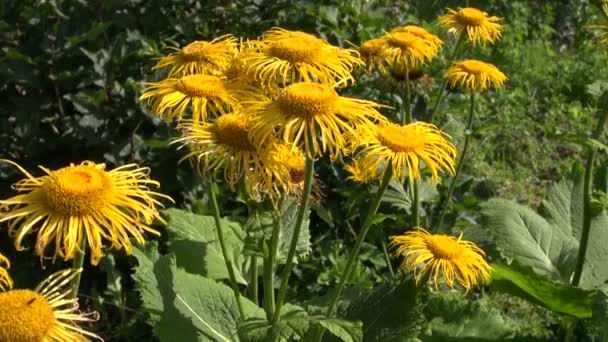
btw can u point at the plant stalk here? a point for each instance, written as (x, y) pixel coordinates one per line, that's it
(460, 163)
(407, 101)
(78, 263)
(225, 253)
(416, 203)
(253, 279)
(308, 179)
(270, 266)
(587, 183)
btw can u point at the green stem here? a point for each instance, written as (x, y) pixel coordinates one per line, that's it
(269, 268)
(387, 258)
(78, 263)
(416, 203)
(253, 279)
(407, 101)
(444, 84)
(588, 178)
(460, 163)
(225, 253)
(367, 224)
(308, 179)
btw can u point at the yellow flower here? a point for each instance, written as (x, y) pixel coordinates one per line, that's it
(418, 31)
(286, 166)
(371, 53)
(224, 146)
(285, 57)
(479, 27)
(602, 32)
(405, 148)
(204, 94)
(408, 50)
(360, 173)
(47, 314)
(80, 202)
(5, 280)
(428, 255)
(311, 116)
(200, 57)
(474, 75)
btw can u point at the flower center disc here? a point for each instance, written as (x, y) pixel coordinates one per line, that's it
(201, 86)
(398, 139)
(307, 100)
(371, 47)
(298, 49)
(474, 67)
(403, 40)
(25, 316)
(195, 50)
(76, 190)
(443, 247)
(471, 16)
(416, 31)
(232, 130)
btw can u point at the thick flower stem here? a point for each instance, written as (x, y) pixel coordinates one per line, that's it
(308, 179)
(415, 202)
(270, 266)
(77, 263)
(407, 101)
(253, 279)
(367, 224)
(460, 163)
(444, 84)
(227, 257)
(587, 181)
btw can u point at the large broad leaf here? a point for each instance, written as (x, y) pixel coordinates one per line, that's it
(599, 328)
(194, 242)
(289, 213)
(184, 306)
(555, 296)
(397, 196)
(388, 312)
(522, 235)
(595, 271)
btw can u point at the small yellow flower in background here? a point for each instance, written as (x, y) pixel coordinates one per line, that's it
(602, 32)
(203, 94)
(286, 165)
(80, 202)
(371, 53)
(405, 148)
(311, 116)
(47, 314)
(224, 146)
(477, 25)
(284, 57)
(361, 173)
(421, 32)
(200, 57)
(5, 280)
(408, 50)
(474, 75)
(429, 255)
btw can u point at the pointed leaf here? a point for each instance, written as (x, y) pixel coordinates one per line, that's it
(347, 331)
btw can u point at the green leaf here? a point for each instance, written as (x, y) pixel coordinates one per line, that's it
(388, 312)
(347, 331)
(289, 214)
(292, 326)
(558, 297)
(599, 328)
(522, 235)
(193, 241)
(184, 306)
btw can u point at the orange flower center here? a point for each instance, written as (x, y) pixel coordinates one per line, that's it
(77, 190)
(471, 16)
(474, 67)
(403, 40)
(371, 47)
(26, 316)
(416, 31)
(196, 50)
(443, 247)
(298, 49)
(201, 86)
(232, 129)
(399, 139)
(307, 100)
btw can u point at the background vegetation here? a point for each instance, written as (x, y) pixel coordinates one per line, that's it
(70, 74)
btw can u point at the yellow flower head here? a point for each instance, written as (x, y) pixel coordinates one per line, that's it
(418, 31)
(223, 146)
(478, 26)
(47, 314)
(311, 116)
(286, 167)
(361, 173)
(418, 78)
(205, 95)
(428, 255)
(200, 57)
(474, 75)
(285, 57)
(405, 148)
(371, 53)
(408, 50)
(6, 282)
(80, 202)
